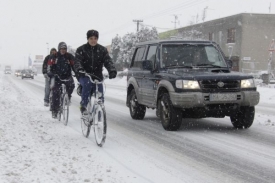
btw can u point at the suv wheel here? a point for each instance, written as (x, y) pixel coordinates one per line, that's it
(243, 118)
(158, 109)
(170, 116)
(137, 110)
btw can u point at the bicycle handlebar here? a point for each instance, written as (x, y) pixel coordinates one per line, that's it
(93, 81)
(61, 79)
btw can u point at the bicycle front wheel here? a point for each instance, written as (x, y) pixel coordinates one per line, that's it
(100, 125)
(65, 109)
(85, 127)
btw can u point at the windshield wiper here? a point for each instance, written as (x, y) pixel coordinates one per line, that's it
(178, 66)
(212, 65)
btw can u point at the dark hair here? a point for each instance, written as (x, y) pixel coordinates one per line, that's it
(91, 33)
(53, 49)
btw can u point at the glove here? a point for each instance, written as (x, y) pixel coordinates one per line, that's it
(81, 73)
(112, 74)
(50, 74)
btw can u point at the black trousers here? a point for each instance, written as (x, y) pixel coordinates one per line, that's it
(56, 89)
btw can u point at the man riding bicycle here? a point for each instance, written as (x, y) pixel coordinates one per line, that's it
(47, 83)
(60, 66)
(90, 58)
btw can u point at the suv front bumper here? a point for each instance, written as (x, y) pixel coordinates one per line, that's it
(198, 99)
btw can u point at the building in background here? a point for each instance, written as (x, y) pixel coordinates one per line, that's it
(37, 64)
(245, 37)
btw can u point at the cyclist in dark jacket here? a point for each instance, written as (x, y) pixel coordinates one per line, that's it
(47, 79)
(60, 67)
(90, 58)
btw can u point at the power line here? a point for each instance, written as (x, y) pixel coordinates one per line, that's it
(167, 9)
(184, 5)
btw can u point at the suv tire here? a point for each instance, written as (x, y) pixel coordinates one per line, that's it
(170, 116)
(137, 110)
(243, 118)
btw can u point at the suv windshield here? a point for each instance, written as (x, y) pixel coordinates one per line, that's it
(191, 55)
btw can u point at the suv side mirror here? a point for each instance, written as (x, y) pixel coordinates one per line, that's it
(147, 65)
(229, 63)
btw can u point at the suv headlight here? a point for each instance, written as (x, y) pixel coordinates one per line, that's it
(247, 83)
(187, 84)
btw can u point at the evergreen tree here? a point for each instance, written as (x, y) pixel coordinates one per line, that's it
(127, 44)
(115, 47)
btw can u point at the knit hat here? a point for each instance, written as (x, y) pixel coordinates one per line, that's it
(62, 45)
(91, 33)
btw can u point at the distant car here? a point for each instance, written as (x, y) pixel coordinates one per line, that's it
(7, 71)
(34, 72)
(27, 73)
(17, 73)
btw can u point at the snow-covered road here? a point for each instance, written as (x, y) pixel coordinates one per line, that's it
(36, 148)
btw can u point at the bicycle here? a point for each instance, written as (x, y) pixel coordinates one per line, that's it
(96, 117)
(63, 103)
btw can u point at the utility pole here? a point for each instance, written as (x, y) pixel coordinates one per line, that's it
(137, 21)
(176, 20)
(204, 13)
(269, 8)
(48, 48)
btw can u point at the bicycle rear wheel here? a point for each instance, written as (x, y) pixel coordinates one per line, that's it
(65, 109)
(60, 109)
(100, 125)
(50, 100)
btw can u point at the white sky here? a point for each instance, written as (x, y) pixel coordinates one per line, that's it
(27, 26)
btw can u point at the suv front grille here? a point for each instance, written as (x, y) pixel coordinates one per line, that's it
(225, 85)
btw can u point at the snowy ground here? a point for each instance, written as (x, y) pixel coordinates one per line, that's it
(36, 148)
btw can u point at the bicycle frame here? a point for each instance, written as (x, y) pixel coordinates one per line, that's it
(61, 100)
(93, 105)
(96, 117)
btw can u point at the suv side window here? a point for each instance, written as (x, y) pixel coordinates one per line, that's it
(152, 53)
(139, 54)
(139, 57)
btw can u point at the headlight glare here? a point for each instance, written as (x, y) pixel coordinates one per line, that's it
(187, 84)
(247, 83)
(190, 84)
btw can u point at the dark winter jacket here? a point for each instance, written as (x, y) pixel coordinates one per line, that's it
(92, 59)
(62, 65)
(45, 64)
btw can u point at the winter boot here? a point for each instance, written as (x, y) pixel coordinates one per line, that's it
(46, 104)
(83, 110)
(54, 114)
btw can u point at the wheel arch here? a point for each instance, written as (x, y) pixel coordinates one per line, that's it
(132, 85)
(164, 86)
